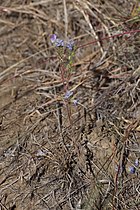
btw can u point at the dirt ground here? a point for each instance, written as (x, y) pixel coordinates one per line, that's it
(55, 154)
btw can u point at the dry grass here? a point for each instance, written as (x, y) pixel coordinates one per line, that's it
(46, 160)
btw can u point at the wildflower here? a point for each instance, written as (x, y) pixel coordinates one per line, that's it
(59, 43)
(68, 94)
(75, 102)
(53, 38)
(70, 45)
(136, 162)
(132, 169)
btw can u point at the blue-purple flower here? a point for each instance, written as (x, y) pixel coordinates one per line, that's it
(70, 45)
(61, 43)
(68, 94)
(132, 169)
(75, 102)
(136, 162)
(56, 41)
(53, 38)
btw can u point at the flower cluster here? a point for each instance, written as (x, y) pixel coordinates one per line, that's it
(61, 43)
(66, 63)
(68, 94)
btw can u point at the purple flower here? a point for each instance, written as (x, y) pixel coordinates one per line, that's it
(75, 101)
(132, 169)
(53, 38)
(59, 43)
(70, 45)
(68, 94)
(136, 162)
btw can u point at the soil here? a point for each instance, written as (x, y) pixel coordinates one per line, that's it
(58, 153)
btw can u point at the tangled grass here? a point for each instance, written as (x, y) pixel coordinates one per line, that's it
(69, 139)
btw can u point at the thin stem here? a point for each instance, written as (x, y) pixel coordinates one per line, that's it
(109, 37)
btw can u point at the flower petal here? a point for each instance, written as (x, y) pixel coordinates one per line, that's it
(53, 38)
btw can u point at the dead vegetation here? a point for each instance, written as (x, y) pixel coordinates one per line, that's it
(46, 161)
